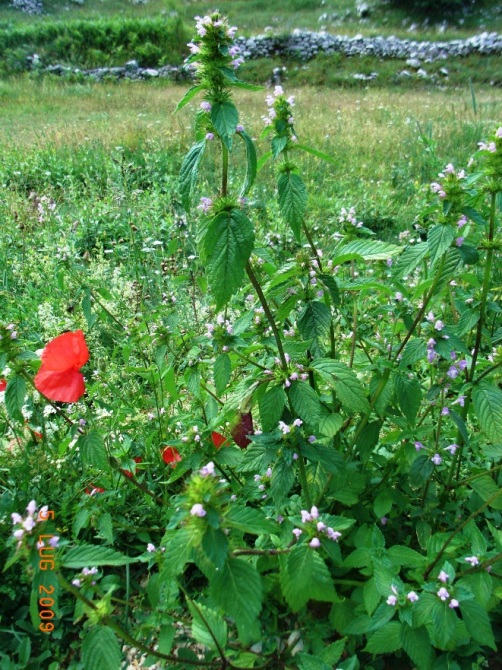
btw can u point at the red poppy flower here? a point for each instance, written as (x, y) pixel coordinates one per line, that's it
(3, 385)
(60, 378)
(242, 429)
(171, 456)
(136, 459)
(218, 439)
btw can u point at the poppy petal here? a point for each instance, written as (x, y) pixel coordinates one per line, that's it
(218, 439)
(171, 456)
(242, 429)
(3, 384)
(66, 351)
(65, 386)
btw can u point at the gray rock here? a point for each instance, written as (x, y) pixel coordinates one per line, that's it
(150, 73)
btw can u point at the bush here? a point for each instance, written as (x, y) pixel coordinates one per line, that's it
(434, 8)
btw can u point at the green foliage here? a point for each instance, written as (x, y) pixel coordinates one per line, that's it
(290, 431)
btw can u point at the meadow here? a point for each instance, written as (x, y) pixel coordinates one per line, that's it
(250, 351)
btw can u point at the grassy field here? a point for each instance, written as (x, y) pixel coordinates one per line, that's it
(280, 15)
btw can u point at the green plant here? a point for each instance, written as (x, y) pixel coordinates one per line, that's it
(297, 461)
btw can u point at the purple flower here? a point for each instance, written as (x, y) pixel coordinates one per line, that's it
(443, 577)
(418, 446)
(462, 365)
(207, 470)
(452, 448)
(392, 600)
(436, 459)
(473, 560)
(205, 106)
(305, 516)
(198, 510)
(453, 372)
(314, 512)
(210, 136)
(150, 548)
(412, 597)
(459, 241)
(315, 543)
(297, 532)
(460, 400)
(333, 534)
(445, 411)
(439, 325)
(443, 594)
(453, 603)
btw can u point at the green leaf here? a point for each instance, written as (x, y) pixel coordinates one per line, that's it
(474, 215)
(188, 172)
(92, 450)
(87, 555)
(191, 93)
(204, 620)
(101, 650)
(249, 520)
(313, 323)
(369, 250)
(237, 83)
(263, 160)
(330, 424)
(308, 662)
(417, 645)
(271, 407)
(333, 653)
(421, 469)
(439, 239)
(382, 504)
(316, 153)
(178, 544)
(467, 321)
(349, 390)
(409, 259)
(237, 589)
(414, 351)
(405, 556)
(304, 577)
(487, 489)
(305, 402)
(283, 478)
(409, 396)
(477, 622)
(222, 370)
(487, 400)
(443, 624)
(278, 144)
(331, 459)
(227, 246)
(292, 200)
(14, 397)
(385, 640)
(215, 545)
(225, 118)
(251, 163)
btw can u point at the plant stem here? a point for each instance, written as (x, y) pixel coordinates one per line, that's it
(224, 170)
(303, 478)
(256, 285)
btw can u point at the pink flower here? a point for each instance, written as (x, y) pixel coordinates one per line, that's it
(443, 594)
(443, 577)
(473, 560)
(198, 510)
(412, 597)
(315, 543)
(453, 603)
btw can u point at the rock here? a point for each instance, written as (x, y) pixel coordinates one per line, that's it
(444, 71)
(131, 65)
(363, 10)
(150, 73)
(422, 73)
(414, 63)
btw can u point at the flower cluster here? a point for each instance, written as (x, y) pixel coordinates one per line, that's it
(294, 372)
(24, 525)
(280, 115)
(85, 578)
(221, 332)
(263, 481)
(443, 593)
(313, 527)
(393, 599)
(449, 184)
(214, 52)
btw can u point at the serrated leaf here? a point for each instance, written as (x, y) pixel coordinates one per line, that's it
(467, 321)
(439, 239)
(487, 400)
(14, 397)
(405, 556)
(409, 396)
(421, 469)
(304, 577)
(101, 650)
(382, 504)
(308, 662)
(331, 459)
(409, 259)
(278, 144)
(249, 520)
(369, 250)
(474, 215)
(222, 370)
(251, 163)
(487, 489)
(443, 624)
(271, 407)
(385, 640)
(188, 172)
(292, 200)
(263, 160)
(237, 589)
(417, 645)
(283, 478)
(371, 596)
(348, 388)
(305, 402)
(206, 621)
(313, 323)
(215, 545)
(86, 555)
(191, 93)
(92, 450)
(227, 246)
(330, 424)
(225, 118)
(414, 351)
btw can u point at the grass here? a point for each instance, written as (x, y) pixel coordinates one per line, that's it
(254, 16)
